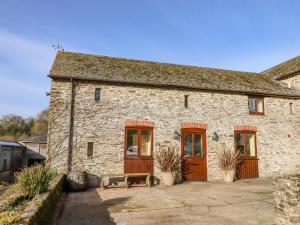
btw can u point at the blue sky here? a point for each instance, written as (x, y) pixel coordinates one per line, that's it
(231, 34)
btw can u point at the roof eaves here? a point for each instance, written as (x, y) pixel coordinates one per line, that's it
(288, 75)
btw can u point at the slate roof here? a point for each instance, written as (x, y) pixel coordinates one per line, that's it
(139, 72)
(10, 143)
(36, 139)
(285, 69)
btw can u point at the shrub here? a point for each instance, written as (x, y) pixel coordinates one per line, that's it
(228, 160)
(10, 218)
(34, 180)
(167, 158)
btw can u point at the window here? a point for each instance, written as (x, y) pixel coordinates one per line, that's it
(193, 144)
(186, 101)
(4, 164)
(97, 94)
(138, 142)
(256, 105)
(132, 142)
(245, 143)
(291, 108)
(90, 149)
(146, 142)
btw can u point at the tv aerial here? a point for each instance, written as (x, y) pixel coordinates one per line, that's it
(58, 47)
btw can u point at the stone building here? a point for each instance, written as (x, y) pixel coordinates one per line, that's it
(108, 115)
(36, 149)
(12, 156)
(287, 72)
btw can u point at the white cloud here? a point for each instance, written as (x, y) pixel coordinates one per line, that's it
(8, 85)
(24, 64)
(25, 52)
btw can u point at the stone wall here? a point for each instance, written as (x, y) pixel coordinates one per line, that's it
(37, 211)
(40, 210)
(278, 131)
(58, 126)
(294, 81)
(287, 199)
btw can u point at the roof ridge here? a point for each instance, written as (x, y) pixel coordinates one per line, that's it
(159, 62)
(280, 64)
(83, 66)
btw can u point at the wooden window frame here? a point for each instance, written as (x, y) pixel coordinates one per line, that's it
(291, 105)
(246, 156)
(193, 131)
(139, 130)
(90, 149)
(255, 105)
(100, 91)
(186, 101)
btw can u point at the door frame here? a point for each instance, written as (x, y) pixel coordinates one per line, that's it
(204, 146)
(144, 162)
(247, 162)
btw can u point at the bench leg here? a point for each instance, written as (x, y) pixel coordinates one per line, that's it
(126, 182)
(148, 181)
(102, 183)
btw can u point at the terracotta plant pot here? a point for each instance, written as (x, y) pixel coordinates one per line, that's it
(229, 175)
(168, 178)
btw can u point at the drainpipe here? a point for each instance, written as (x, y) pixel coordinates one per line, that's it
(71, 121)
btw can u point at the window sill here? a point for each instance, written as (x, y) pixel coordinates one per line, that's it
(138, 158)
(249, 157)
(257, 113)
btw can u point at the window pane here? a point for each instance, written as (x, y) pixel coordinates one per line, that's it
(186, 101)
(198, 145)
(251, 104)
(90, 149)
(97, 94)
(239, 143)
(132, 142)
(260, 105)
(188, 139)
(250, 144)
(146, 142)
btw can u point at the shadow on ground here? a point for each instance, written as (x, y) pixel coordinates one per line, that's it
(86, 208)
(247, 202)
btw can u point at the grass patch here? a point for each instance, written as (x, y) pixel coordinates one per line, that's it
(35, 180)
(10, 218)
(31, 181)
(11, 191)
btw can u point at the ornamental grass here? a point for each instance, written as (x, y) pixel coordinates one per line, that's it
(34, 180)
(228, 160)
(167, 158)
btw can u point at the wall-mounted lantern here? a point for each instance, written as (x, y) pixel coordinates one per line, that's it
(216, 136)
(177, 135)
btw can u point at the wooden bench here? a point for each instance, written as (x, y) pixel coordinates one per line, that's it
(147, 175)
(125, 177)
(109, 176)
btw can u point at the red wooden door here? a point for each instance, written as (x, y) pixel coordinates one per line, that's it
(248, 169)
(193, 151)
(138, 157)
(245, 143)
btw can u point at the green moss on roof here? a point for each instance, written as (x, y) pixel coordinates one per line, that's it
(121, 70)
(284, 69)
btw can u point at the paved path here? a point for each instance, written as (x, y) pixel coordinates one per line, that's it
(243, 202)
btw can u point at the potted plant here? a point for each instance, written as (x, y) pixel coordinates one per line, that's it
(228, 162)
(168, 161)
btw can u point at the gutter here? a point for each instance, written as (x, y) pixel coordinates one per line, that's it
(71, 126)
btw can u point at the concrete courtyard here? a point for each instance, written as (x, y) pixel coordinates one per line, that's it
(242, 202)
